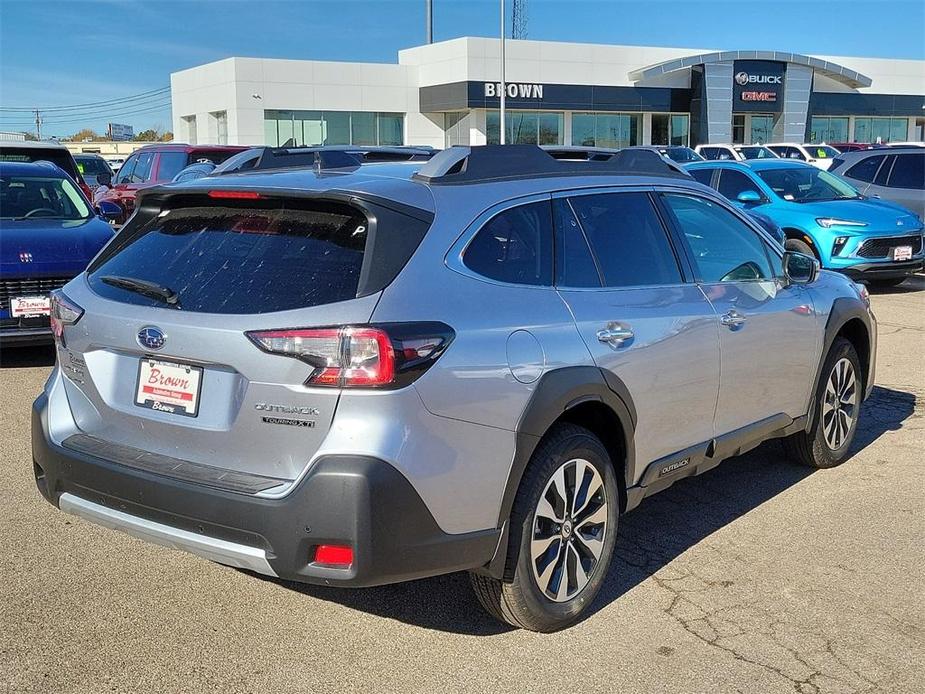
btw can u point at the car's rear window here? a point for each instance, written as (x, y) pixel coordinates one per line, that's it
(60, 157)
(235, 260)
(92, 166)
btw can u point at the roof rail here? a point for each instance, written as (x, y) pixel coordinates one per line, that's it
(488, 163)
(577, 153)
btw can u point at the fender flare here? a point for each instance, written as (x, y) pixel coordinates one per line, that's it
(844, 309)
(555, 394)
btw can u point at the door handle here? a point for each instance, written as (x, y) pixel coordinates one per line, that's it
(615, 334)
(732, 319)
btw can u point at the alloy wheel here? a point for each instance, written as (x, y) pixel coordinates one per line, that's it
(839, 404)
(569, 526)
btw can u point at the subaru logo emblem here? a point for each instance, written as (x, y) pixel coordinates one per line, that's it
(25, 257)
(151, 337)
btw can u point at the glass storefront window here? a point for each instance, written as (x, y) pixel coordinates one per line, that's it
(881, 130)
(391, 126)
(828, 129)
(670, 129)
(659, 129)
(551, 128)
(297, 128)
(605, 129)
(762, 129)
(363, 129)
(680, 130)
(525, 127)
(738, 128)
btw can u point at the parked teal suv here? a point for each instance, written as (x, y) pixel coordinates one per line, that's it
(821, 215)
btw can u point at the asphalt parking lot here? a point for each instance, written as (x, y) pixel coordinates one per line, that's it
(759, 576)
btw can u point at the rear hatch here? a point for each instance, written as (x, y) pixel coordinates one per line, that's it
(172, 371)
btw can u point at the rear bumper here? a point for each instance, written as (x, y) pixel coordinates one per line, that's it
(343, 500)
(883, 270)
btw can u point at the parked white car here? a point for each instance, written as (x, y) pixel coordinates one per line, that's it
(734, 152)
(820, 156)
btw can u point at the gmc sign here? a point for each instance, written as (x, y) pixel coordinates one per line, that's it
(758, 86)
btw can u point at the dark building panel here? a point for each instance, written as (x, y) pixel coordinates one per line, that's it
(855, 104)
(554, 97)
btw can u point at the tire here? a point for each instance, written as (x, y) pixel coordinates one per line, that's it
(887, 283)
(800, 246)
(532, 598)
(824, 445)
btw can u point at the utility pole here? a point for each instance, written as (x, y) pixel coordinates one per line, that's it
(38, 124)
(503, 82)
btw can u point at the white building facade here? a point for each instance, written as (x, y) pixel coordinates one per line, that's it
(557, 93)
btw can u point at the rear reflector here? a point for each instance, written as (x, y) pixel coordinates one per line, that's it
(340, 556)
(234, 194)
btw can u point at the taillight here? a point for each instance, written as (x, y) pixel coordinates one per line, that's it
(62, 312)
(360, 356)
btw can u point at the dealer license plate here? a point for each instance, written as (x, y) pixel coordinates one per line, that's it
(902, 253)
(166, 386)
(30, 306)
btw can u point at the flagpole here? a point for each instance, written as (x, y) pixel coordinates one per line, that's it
(503, 82)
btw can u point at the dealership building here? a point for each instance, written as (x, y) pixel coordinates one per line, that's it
(448, 93)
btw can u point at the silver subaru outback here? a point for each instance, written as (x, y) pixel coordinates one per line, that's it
(356, 375)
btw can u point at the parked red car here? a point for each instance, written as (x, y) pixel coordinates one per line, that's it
(851, 146)
(155, 164)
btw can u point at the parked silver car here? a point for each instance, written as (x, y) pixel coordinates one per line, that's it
(360, 376)
(896, 174)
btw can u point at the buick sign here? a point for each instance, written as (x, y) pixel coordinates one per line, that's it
(743, 78)
(150, 337)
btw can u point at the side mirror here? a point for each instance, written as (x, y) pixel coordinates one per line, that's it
(799, 268)
(104, 179)
(109, 210)
(748, 197)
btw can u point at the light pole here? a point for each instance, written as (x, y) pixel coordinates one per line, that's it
(503, 83)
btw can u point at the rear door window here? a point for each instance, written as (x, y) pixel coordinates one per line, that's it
(702, 175)
(575, 266)
(884, 171)
(865, 170)
(514, 246)
(908, 171)
(627, 238)
(237, 260)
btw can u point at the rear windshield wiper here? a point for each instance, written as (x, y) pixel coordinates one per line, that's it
(145, 288)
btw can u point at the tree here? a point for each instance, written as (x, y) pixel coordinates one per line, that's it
(148, 135)
(166, 137)
(84, 135)
(30, 137)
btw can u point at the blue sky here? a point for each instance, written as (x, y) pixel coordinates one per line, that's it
(77, 52)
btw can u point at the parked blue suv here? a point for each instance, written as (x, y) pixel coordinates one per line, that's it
(48, 234)
(821, 215)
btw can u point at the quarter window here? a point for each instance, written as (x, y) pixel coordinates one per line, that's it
(627, 238)
(515, 246)
(724, 248)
